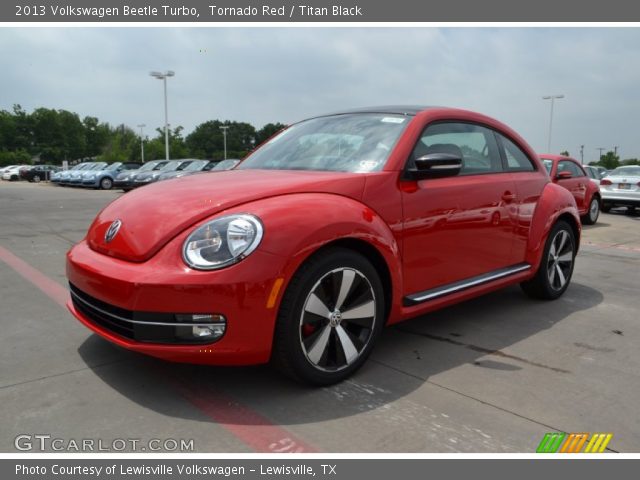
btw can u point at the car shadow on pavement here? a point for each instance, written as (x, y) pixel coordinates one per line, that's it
(478, 332)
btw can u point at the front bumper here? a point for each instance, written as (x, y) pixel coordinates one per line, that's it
(165, 285)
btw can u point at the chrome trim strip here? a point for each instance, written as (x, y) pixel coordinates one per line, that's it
(472, 282)
(166, 324)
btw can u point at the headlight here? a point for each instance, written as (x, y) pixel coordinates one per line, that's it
(222, 242)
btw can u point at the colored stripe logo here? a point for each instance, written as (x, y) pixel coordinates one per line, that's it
(560, 442)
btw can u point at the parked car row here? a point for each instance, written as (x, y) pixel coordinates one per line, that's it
(129, 175)
(31, 173)
(159, 170)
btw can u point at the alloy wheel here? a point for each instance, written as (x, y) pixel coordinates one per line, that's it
(594, 210)
(338, 319)
(560, 260)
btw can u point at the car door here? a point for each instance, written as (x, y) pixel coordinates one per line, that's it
(576, 184)
(458, 227)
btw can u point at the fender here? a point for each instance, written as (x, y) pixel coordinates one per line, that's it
(297, 225)
(554, 202)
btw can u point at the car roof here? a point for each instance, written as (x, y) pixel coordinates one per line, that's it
(391, 109)
(549, 156)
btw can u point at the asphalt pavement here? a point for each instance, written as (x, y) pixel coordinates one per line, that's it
(490, 375)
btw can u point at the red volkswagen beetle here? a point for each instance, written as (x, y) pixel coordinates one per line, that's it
(568, 173)
(334, 228)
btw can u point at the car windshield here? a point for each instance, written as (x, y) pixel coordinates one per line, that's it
(340, 143)
(629, 171)
(547, 164)
(113, 166)
(195, 166)
(171, 166)
(156, 166)
(96, 166)
(225, 165)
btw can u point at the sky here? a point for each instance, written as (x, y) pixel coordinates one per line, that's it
(263, 75)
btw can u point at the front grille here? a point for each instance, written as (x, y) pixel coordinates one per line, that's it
(146, 327)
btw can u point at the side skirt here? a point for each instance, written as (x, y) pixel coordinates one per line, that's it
(431, 294)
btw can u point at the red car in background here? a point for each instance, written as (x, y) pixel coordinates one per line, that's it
(568, 173)
(334, 228)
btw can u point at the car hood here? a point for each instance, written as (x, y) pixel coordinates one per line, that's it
(151, 216)
(145, 175)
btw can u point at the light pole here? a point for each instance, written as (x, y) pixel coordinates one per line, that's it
(552, 98)
(163, 77)
(600, 149)
(224, 134)
(582, 154)
(141, 126)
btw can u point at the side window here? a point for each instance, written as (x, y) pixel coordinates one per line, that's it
(567, 165)
(476, 146)
(517, 160)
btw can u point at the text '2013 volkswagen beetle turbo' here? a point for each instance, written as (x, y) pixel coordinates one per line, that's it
(334, 228)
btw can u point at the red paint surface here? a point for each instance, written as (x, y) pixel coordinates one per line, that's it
(582, 188)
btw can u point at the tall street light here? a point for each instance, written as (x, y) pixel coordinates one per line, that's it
(552, 98)
(224, 134)
(141, 126)
(163, 77)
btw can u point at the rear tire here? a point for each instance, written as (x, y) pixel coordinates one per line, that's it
(593, 213)
(36, 178)
(556, 266)
(330, 317)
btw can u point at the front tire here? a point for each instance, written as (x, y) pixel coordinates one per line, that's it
(556, 265)
(593, 213)
(106, 183)
(36, 178)
(330, 317)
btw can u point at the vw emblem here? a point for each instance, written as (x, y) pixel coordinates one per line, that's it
(112, 231)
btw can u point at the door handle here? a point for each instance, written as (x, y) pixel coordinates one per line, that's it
(508, 196)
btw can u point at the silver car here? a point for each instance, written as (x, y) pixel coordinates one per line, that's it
(621, 188)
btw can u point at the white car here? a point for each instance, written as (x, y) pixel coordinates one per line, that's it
(2, 169)
(593, 173)
(12, 173)
(621, 188)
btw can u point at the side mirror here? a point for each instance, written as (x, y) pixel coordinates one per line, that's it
(564, 175)
(436, 165)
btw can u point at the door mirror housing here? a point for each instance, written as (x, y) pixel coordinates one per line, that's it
(435, 165)
(564, 175)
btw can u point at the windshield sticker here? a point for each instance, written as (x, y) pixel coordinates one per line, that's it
(368, 165)
(392, 120)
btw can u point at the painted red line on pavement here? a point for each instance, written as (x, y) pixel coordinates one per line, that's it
(49, 287)
(251, 428)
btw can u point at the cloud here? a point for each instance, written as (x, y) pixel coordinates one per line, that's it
(286, 74)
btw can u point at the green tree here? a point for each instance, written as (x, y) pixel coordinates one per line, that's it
(630, 161)
(121, 146)
(610, 160)
(155, 148)
(565, 153)
(269, 130)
